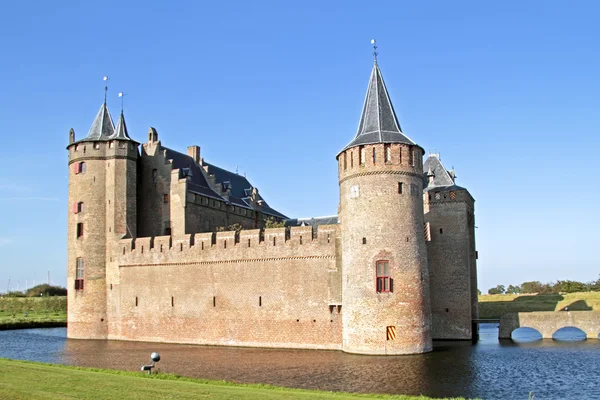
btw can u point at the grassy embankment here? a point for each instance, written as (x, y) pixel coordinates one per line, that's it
(32, 312)
(493, 306)
(27, 380)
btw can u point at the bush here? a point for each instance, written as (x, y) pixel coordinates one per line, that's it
(46, 290)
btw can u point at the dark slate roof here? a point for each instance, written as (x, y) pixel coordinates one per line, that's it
(121, 129)
(188, 167)
(102, 127)
(442, 178)
(314, 222)
(240, 187)
(378, 121)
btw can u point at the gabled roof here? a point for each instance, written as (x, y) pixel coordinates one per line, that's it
(441, 178)
(240, 187)
(121, 129)
(102, 127)
(378, 121)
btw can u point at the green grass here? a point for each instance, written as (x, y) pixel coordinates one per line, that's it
(31, 312)
(493, 306)
(28, 380)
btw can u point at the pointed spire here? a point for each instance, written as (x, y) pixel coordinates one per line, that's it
(121, 129)
(378, 121)
(102, 127)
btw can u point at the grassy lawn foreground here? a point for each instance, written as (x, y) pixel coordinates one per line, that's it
(493, 306)
(28, 380)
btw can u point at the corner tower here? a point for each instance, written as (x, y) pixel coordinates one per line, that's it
(102, 210)
(385, 278)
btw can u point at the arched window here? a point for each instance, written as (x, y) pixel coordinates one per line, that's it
(384, 283)
(79, 274)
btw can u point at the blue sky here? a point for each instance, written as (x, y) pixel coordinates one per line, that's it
(508, 92)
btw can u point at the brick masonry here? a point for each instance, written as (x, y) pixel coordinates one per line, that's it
(156, 270)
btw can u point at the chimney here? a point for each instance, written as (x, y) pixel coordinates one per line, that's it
(194, 152)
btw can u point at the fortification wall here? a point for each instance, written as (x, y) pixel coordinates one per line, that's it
(271, 288)
(451, 253)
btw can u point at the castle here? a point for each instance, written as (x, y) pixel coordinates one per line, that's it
(148, 259)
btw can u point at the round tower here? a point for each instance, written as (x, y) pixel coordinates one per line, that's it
(385, 279)
(102, 197)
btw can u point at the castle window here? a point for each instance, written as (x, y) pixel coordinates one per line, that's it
(274, 241)
(441, 231)
(172, 301)
(300, 239)
(383, 276)
(165, 198)
(154, 176)
(388, 153)
(79, 230)
(79, 274)
(399, 187)
(225, 243)
(260, 301)
(411, 158)
(328, 238)
(79, 168)
(364, 240)
(351, 159)
(136, 301)
(415, 156)
(110, 144)
(345, 161)
(96, 146)
(363, 157)
(374, 156)
(248, 242)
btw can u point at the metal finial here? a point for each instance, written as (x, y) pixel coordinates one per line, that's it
(105, 88)
(375, 53)
(122, 96)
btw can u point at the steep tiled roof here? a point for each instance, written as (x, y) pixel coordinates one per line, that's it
(378, 121)
(440, 177)
(240, 187)
(121, 129)
(102, 127)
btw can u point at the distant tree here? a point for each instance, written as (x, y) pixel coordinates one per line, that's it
(234, 227)
(513, 289)
(531, 287)
(595, 285)
(272, 223)
(478, 292)
(571, 287)
(497, 290)
(46, 290)
(14, 293)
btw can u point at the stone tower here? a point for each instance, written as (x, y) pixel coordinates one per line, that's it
(385, 278)
(450, 219)
(102, 210)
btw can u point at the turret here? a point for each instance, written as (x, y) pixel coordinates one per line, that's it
(385, 279)
(102, 210)
(450, 219)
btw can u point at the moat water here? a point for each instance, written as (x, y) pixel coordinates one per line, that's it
(490, 369)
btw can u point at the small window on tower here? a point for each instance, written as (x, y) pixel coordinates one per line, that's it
(383, 276)
(363, 157)
(165, 198)
(79, 230)
(400, 187)
(351, 159)
(80, 207)
(79, 274)
(345, 161)
(374, 156)
(388, 153)
(96, 146)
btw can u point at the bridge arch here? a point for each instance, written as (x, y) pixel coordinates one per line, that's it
(549, 322)
(569, 334)
(525, 334)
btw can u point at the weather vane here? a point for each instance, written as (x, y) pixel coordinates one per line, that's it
(374, 43)
(105, 87)
(122, 96)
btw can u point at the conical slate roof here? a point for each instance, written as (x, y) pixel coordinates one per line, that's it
(378, 121)
(102, 127)
(121, 129)
(440, 176)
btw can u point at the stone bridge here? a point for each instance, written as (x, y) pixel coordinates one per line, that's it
(549, 322)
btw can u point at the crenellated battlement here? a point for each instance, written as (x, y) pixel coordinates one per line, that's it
(245, 245)
(102, 150)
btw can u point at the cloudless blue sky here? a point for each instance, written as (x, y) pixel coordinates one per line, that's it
(508, 92)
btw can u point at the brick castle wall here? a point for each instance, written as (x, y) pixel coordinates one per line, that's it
(258, 288)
